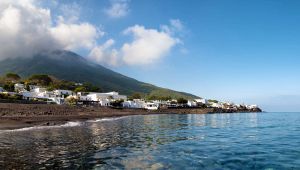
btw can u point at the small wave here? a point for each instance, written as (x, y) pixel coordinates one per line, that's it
(68, 124)
(104, 119)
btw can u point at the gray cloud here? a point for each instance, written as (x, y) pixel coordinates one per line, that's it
(27, 29)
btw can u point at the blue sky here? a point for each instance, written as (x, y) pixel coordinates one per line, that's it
(240, 51)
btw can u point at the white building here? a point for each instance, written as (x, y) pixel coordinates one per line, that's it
(151, 106)
(192, 103)
(216, 105)
(30, 95)
(57, 100)
(201, 101)
(19, 87)
(110, 95)
(104, 99)
(104, 102)
(82, 96)
(38, 90)
(31, 87)
(136, 103)
(63, 93)
(254, 106)
(128, 104)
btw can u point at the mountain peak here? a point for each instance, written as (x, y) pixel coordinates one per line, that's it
(68, 65)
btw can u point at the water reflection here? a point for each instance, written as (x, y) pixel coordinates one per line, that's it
(153, 141)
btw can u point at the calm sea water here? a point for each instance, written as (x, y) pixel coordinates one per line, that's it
(210, 141)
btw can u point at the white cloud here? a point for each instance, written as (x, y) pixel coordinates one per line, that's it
(27, 29)
(118, 8)
(70, 11)
(175, 27)
(148, 45)
(176, 24)
(76, 36)
(23, 29)
(105, 54)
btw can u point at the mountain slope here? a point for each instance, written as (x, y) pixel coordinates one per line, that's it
(70, 66)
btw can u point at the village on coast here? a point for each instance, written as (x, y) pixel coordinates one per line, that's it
(40, 94)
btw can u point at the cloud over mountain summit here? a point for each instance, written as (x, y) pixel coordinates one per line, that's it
(27, 28)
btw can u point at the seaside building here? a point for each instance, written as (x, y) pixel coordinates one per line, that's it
(19, 87)
(136, 103)
(63, 93)
(192, 103)
(215, 105)
(201, 101)
(254, 106)
(104, 99)
(151, 106)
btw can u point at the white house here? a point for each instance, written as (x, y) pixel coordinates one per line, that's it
(110, 95)
(97, 96)
(38, 90)
(216, 105)
(104, 99)
(254, 106)
(116, 95)
(104, 102)
(201, 101)
(49, 96)
(29, 95)
(82, 96)
(192, 103)
(128, 104)
(151, 106)
(31, 87)
(139, 103)
(62, 93)
(19, 87)
(57, 100)
(41, 93)
(136, 103)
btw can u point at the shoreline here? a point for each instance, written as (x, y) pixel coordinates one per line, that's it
(16, 116)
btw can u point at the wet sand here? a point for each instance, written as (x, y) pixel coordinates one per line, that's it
(15, 116)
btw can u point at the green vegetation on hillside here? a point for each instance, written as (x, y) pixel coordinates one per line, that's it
(12, 77)
(213, 101)
(47, 81)
(165, 94)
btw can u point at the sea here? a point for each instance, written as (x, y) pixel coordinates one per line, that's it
(168, 141)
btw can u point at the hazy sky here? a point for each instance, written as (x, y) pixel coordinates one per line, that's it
(233, 50)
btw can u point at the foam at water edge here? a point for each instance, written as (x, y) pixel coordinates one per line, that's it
(68, 124)
(105, 119)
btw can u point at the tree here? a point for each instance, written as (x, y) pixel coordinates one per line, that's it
(182, 101)
(71, 100)
(165, 98)
(80, 89)
(135, 96)
(40, 79)
(27, 87)
(152, 97)
(91, 88)
(213, 101)
(9, 86)
(12, 77)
